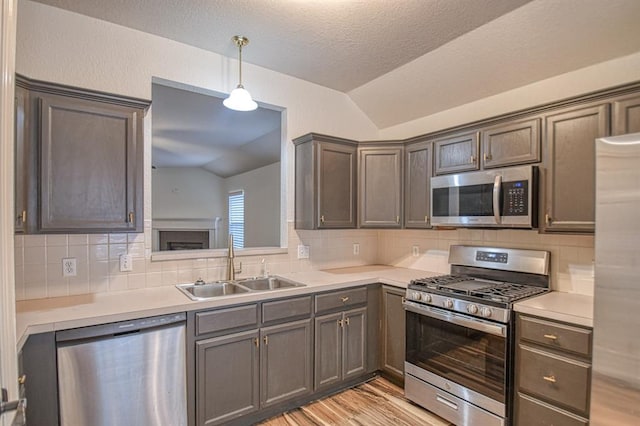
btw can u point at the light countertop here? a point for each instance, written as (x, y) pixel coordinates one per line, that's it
(43, 315)
(568, 307)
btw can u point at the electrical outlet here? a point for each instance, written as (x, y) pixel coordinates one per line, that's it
(69, 267)
(356, 249)
(126, 263)
(303, 252)
(415, 251)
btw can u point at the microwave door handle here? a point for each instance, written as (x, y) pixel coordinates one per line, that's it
(497, 187)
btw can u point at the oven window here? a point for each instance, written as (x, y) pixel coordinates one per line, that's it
(473, 359)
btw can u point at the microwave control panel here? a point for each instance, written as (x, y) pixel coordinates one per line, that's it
(515, 198)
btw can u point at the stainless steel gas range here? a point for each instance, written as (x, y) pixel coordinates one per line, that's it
(460, 332)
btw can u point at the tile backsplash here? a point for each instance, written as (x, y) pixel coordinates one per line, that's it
(39, 258)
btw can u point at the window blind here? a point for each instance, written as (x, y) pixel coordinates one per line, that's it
(236, 218)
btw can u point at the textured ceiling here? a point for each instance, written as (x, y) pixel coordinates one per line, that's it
(340, 44)
(397, 59)
(192, 129)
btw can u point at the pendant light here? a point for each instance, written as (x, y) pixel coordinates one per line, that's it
(240, 99)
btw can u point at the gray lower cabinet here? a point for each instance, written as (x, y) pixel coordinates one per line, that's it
(418, 171)
(325, 182)
(285, 362)
(553, 372)
(340, 346)
(511, 143)
(569, 200)
(457, 153)
(380, 186)
(393, 333)
(227, 377)
(626, 115)
(83, 165)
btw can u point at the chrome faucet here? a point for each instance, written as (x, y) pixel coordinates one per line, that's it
(231, 269)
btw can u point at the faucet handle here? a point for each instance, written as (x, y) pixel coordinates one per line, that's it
(199, 281)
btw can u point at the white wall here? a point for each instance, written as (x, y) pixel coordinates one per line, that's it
(261, 204)
(188, 193)
(596, 77)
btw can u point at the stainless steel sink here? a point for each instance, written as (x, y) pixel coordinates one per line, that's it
(269, 283)
(209, 290)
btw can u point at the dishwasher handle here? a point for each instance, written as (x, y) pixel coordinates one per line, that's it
(121, 327)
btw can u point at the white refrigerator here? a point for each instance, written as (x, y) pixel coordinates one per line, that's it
(615, 385)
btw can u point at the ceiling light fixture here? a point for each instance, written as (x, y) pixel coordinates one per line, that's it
(240, 99)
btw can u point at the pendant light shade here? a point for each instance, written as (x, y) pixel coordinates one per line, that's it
(240, 99)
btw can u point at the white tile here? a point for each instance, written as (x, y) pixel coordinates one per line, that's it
(139, 266)
(18, 241)
(153, 266)
(79, 285)
(117, 238)
(56, 240)
(184, 276)
(34, 255)
(19, 282)
(98, 239)
(154, 279)
(58, 287)
(137, 281)
(136, 238)
(55, 254)
(54, 272)
(35, 290)
(18, 256)
(98, 252)
(98, 270)
(34, 240)
(78, 239)
(81, 253)
(118, 283)
(115, 250)
(136, 250)
(169, 277)
(99, 284)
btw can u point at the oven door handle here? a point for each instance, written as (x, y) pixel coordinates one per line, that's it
(463, 320)
(497, 188)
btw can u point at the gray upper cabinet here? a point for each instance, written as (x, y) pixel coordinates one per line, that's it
(569, 200)
(325, 182)
(286, 366)
(227, 378)
(511, 143)
(21, 103)
(380, 186)
(458, 153)
(393, 333)
(89, 154)
(626, 115)
(416, 186)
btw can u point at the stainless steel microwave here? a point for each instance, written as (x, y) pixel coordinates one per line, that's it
(498, 198)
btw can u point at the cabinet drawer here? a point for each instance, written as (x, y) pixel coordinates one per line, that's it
(561, 380)
(536, 413)
(555, 335)
(226, 319)
(286, 309)
(340, 299)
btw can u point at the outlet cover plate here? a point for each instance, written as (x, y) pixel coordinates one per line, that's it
(126, 263)
(415, 251)
(356, 249)
(69, 267)
(303, 252)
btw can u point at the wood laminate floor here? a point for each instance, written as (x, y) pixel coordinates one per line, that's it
(376, 403)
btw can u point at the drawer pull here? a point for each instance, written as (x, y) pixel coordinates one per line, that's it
(344, 299)
(446, 402)
(322, 219)
(550, 379)
(256, 342)
(551, 337)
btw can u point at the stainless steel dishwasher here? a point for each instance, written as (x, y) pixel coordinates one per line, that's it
(125, 373)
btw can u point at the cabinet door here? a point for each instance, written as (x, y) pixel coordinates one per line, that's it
(456, 154)
(328, 350)
(227, 379)
(285, 362)
(380, 187)
(417, 184)
(393, 332)
(21, 157)
(336, 186)
(511, 143)
(90, 171)
(570, 162)
(626, 115)
(354, 343)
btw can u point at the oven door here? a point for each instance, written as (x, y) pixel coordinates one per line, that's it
(462, 355)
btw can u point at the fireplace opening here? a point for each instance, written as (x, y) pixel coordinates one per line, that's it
(184, 240)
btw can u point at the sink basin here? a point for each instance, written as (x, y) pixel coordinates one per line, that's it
(269, 283)
(209, 290)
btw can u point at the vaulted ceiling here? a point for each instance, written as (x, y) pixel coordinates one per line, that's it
(397, 59)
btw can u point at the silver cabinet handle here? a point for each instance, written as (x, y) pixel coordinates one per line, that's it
(550, 379)
(551, 337)
(344, 299)
(446, 402)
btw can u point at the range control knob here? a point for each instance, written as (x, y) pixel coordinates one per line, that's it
(417, 296)
(427, 298)
(472, 309)
(485, 312)
(448, 303)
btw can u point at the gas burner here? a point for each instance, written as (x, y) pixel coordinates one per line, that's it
(440, 280)
(508, 292)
